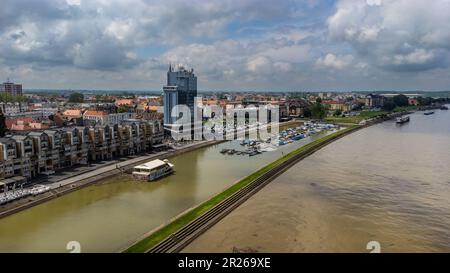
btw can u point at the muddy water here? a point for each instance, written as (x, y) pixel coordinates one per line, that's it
(387, 183)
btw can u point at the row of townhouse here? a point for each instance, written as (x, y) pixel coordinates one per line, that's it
(44, 152)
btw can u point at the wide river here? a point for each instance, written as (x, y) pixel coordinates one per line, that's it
(387, 183)
(108, 216)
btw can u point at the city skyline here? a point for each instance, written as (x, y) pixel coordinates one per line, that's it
(303, 45)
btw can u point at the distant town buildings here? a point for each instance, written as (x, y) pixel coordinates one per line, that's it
(105, 118)
(48, 133)
(25, 124)
(375, 101)
(11, 108)
(340, 105)
(11, 88)
(181, 89)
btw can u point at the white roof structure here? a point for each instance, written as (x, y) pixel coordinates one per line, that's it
(152, 165)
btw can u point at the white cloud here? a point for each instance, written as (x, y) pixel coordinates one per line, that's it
(406, 35)
(418, 56)
(73, 2)
(231, 44)
(335, 62)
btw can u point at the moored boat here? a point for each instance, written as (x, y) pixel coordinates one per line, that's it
(153, 170)
(403, 119)
(444, 107)
(428, 113)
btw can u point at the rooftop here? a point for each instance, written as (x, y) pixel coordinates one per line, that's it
(95, 113)
(152, 165)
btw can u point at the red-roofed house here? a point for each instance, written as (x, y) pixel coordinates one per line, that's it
(25, 124)
(125, 102)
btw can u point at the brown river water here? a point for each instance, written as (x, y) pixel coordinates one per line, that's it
(387, 183)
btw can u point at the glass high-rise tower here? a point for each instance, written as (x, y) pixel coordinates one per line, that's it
(181, 89)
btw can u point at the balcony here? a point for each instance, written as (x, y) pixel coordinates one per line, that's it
(53, 156)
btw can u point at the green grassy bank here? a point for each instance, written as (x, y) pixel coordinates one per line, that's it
(364, 115)
(356, 119)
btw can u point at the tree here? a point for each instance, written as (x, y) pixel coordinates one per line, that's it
(318, 111)
(122, 109)
(76, 98)
(3, 128)
(389, 106)
(337, 113)
(5, 97)
(401, 100)
(358, 107)
(307, 112)
(424, 101)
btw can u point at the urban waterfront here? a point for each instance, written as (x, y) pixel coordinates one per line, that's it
(387, 183)
(110, 215)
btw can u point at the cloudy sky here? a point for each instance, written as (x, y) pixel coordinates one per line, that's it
(232, 44)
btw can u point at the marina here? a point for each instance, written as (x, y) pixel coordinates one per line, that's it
(285, 137)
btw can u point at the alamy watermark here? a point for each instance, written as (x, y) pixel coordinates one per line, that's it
(214, 122)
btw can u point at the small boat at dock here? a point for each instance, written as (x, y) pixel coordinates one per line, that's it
(444, 107)
(429, 113)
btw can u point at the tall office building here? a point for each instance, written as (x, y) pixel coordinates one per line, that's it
(181, 89)
(11, 88)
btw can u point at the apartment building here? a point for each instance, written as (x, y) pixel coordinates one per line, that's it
(41, 150)
(8, 154)
(44, 152)
(24, 156)
(11, 88)
(11, 108)
(93, 117)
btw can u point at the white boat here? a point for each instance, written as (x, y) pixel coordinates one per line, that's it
(153, 170)
(403, 119)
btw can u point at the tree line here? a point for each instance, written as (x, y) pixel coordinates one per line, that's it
(6, 97)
